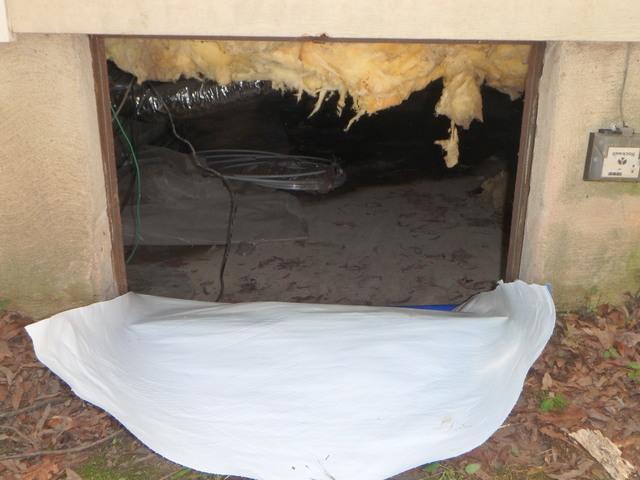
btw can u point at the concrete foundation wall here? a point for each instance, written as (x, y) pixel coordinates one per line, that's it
(583, 237)
(55, 242)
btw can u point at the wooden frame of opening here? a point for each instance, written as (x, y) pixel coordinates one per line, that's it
(103, 103)
(525, 158)
(522, 183)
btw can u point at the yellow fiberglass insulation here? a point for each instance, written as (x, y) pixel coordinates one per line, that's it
(375, 75)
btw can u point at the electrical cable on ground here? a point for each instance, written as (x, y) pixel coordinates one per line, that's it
(276, 170)
(134, 158)
(215, 173)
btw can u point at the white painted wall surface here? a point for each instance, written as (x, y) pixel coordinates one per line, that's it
(597, 20)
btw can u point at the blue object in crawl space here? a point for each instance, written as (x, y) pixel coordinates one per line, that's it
(440, 308)
(452, 307)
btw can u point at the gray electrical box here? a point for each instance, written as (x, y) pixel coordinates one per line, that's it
(613, 155)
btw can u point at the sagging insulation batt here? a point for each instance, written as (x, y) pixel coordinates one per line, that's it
(375, 75)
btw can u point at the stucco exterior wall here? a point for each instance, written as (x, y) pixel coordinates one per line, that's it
(55, 242)
(5, 33)
(583, 237)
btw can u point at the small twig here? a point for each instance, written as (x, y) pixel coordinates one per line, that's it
(42, 420)
(169, 475)
(19, 434)
(34, 406)
(507, 425)
(29, 365)
(144, 458)
(79, 448)
(52, 395)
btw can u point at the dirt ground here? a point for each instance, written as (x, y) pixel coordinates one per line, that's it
(418, 243)
(587, 378)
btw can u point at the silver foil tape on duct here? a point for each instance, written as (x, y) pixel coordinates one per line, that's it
(192, 97)
(185, 98)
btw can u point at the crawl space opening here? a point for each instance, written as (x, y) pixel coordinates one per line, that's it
(315, 171)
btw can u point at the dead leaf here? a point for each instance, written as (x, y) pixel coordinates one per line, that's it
(575, 473)
(564, 418)
(551, 433)
(605, 337)
(598, 416)
(4, 350)
(60, 423)
(14, 466)
(71, 475)
(45, 470)
(601, 381)
(7, 332)
(629, 339)
(7, 373)
(584, 381)
(16, 395)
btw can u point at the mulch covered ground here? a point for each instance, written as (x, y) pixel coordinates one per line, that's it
(587, 378)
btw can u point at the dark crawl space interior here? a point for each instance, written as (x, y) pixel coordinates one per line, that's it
(284, 206)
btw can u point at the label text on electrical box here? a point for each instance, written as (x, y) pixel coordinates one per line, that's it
(621, 162)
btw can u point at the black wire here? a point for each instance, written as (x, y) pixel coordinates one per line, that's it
(215, 173)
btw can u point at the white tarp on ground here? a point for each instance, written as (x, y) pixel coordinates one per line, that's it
(280, 391)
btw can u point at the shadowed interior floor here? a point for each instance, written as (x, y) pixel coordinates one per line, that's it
(426, 242)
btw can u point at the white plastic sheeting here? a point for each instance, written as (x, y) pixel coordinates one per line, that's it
(280, 391)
